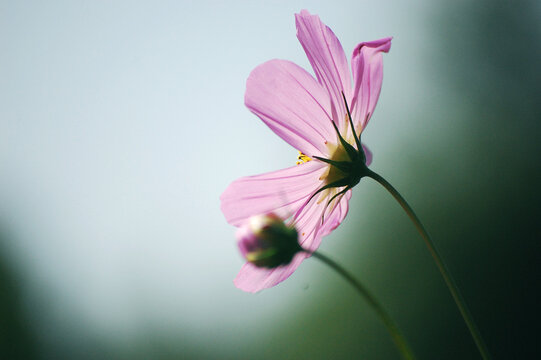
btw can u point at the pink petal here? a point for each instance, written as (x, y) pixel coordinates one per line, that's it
(283, 192)
(291, 102)
(367, 67)
(327, 58)
(336, 218)
(368, 154)
(254, 279)
(309, 224)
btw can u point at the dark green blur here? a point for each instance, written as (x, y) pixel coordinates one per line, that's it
(17, 340)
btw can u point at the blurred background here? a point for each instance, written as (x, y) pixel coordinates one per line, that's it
(122, 122)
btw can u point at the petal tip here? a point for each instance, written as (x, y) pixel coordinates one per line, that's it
(383, 45)
(239, 284)
(303, 13)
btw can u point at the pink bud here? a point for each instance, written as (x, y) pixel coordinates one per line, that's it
(266, 241)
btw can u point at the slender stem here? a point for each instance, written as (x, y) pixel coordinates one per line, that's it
(398, 338)
(439, 262)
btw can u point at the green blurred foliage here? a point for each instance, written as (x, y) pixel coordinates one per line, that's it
(17, 340)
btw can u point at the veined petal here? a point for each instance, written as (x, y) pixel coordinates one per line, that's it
(328, 60)
(339, 215)
(282, 192)
(309, 224)
(291, 102)
(254, 279)
(367, 67)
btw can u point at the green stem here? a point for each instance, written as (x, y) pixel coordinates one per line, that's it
(439, 262)
(399, 340)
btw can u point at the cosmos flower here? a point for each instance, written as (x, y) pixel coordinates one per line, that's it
(311, 114)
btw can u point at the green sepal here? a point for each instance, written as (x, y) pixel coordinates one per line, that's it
(357, 138)
(339, 193)
(329, 202)
(352, 152)
(338, 183)
(344, 166)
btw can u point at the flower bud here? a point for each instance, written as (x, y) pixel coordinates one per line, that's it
(266, 241)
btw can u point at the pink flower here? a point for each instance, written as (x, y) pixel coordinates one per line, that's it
(310, 115)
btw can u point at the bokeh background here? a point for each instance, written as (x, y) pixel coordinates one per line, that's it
(121, 122)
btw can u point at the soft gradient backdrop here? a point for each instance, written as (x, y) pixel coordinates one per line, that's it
(121, 122)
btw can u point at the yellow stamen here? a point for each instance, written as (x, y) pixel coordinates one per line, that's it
(302, 158)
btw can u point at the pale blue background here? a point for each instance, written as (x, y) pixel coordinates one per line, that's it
(122, 122)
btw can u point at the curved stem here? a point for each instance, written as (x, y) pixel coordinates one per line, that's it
(399, 340)
(439, 262)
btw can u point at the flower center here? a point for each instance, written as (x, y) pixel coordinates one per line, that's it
(333, 173)
(346, 163)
